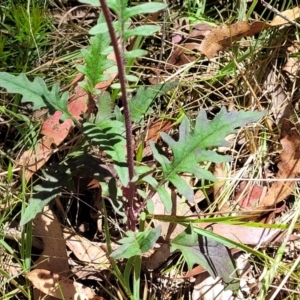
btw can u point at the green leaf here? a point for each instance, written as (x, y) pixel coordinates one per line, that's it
(116, 202)
(144, 8)
(148, 238)
(192, 145)
(36, 92)
(140, 103)
(165, 198)
(136, 243)
(96, 61)
(135, 53)
(103, 28)
(117, 5)
(210, 254)
(129, 248)
(132, 78)
(143, 30)
(110, 137)
(163, 193)
(105, 107)
(99, 29)
(91, 2)
(31, 91)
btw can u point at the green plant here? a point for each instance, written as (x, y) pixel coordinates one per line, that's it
(112, 133)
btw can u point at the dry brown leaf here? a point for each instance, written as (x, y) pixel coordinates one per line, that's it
(291, 14)
(182, 54)
(207, 288)
(156, 128)
(242, 234)
(179, 208)
(222, 37)
(292, 65)
(200, 30)
(288, 166)
(60, 287)
(54, 257)
(153, 134)
(158, 257)
(34, 159)
(86, 251)
(248, 196)
(218, 188)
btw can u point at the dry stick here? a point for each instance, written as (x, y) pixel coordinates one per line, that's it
(280, 14)
(131, 213)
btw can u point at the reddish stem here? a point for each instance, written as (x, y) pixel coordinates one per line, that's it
(131, 213)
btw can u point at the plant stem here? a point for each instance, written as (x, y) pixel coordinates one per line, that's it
(131, 213)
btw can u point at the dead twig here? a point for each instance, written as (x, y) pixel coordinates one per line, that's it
(277, 12)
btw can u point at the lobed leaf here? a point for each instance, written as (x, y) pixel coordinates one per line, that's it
(110, 137)
(96, 60)
(191, 148)
(137, 243)
(208, 253)
(36, 92)
(31, 91)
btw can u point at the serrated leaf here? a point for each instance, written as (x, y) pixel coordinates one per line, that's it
(31, 91)
(137, 243)
(191, 148)
(143, 30)
(110, 137)
(140, 103)
(144, 8)
(36, 92)
(210, 254)
(55, 102)
(96, 61)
